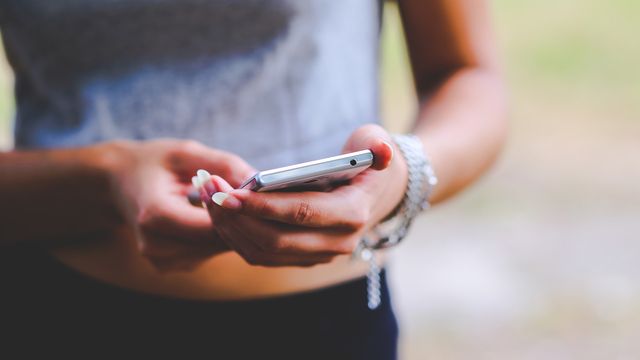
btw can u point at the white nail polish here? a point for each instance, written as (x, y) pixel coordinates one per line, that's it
(219, 198)
(195, 182)
(203, 176)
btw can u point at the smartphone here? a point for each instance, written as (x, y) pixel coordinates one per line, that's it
(320, 174)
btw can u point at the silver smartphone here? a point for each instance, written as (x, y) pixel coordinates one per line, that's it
(313, 175)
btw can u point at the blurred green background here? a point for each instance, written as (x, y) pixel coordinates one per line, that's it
(540, 259)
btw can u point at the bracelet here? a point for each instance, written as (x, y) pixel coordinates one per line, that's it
(420, 183)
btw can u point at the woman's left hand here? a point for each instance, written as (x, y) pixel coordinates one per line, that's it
(309, 228)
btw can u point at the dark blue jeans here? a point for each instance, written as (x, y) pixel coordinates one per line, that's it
(42, 301)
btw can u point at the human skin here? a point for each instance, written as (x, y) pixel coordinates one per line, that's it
(456, 75)
(108, 192)
(309, 228)
(96, 191)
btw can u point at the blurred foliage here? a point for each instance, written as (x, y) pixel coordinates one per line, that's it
(7, 104)
(537, 260)
(574, 50)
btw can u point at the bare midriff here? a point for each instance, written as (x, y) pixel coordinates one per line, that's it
(223, 277)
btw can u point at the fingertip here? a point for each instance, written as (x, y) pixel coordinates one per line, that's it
(202, 177)
(242, 175)
(227, 201)
(382, 154)
(196, 182)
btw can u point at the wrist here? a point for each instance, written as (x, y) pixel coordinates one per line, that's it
(400, 180)
(421, 180)
(66, 191)
(107, 163)
(111, 159)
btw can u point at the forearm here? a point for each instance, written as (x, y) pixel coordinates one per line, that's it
(462, 124)
(55, 195)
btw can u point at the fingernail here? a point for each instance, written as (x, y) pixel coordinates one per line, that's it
(204, 179)
(390, 148)
(203, 176)
(226, 201)
(204, 190)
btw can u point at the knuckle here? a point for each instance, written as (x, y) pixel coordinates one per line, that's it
(189, 146)
(149, 217)
(224, 167)
(233, 160)
(303, 213)
(178, 150)
(359, 218)
(372, 127)
(276, 245)
(260, 205)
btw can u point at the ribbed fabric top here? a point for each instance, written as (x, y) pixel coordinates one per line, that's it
(275, 81)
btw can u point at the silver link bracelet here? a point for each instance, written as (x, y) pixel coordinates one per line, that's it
(420, 184)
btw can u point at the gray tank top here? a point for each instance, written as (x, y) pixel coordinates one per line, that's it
(274, 81)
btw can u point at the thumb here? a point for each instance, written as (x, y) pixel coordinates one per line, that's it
(227, 165)
(374, 138)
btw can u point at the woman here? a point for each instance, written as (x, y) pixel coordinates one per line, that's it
(120, 102)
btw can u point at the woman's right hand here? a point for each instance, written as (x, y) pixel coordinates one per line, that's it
(151, 180)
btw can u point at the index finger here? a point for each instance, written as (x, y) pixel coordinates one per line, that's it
(344, 207)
